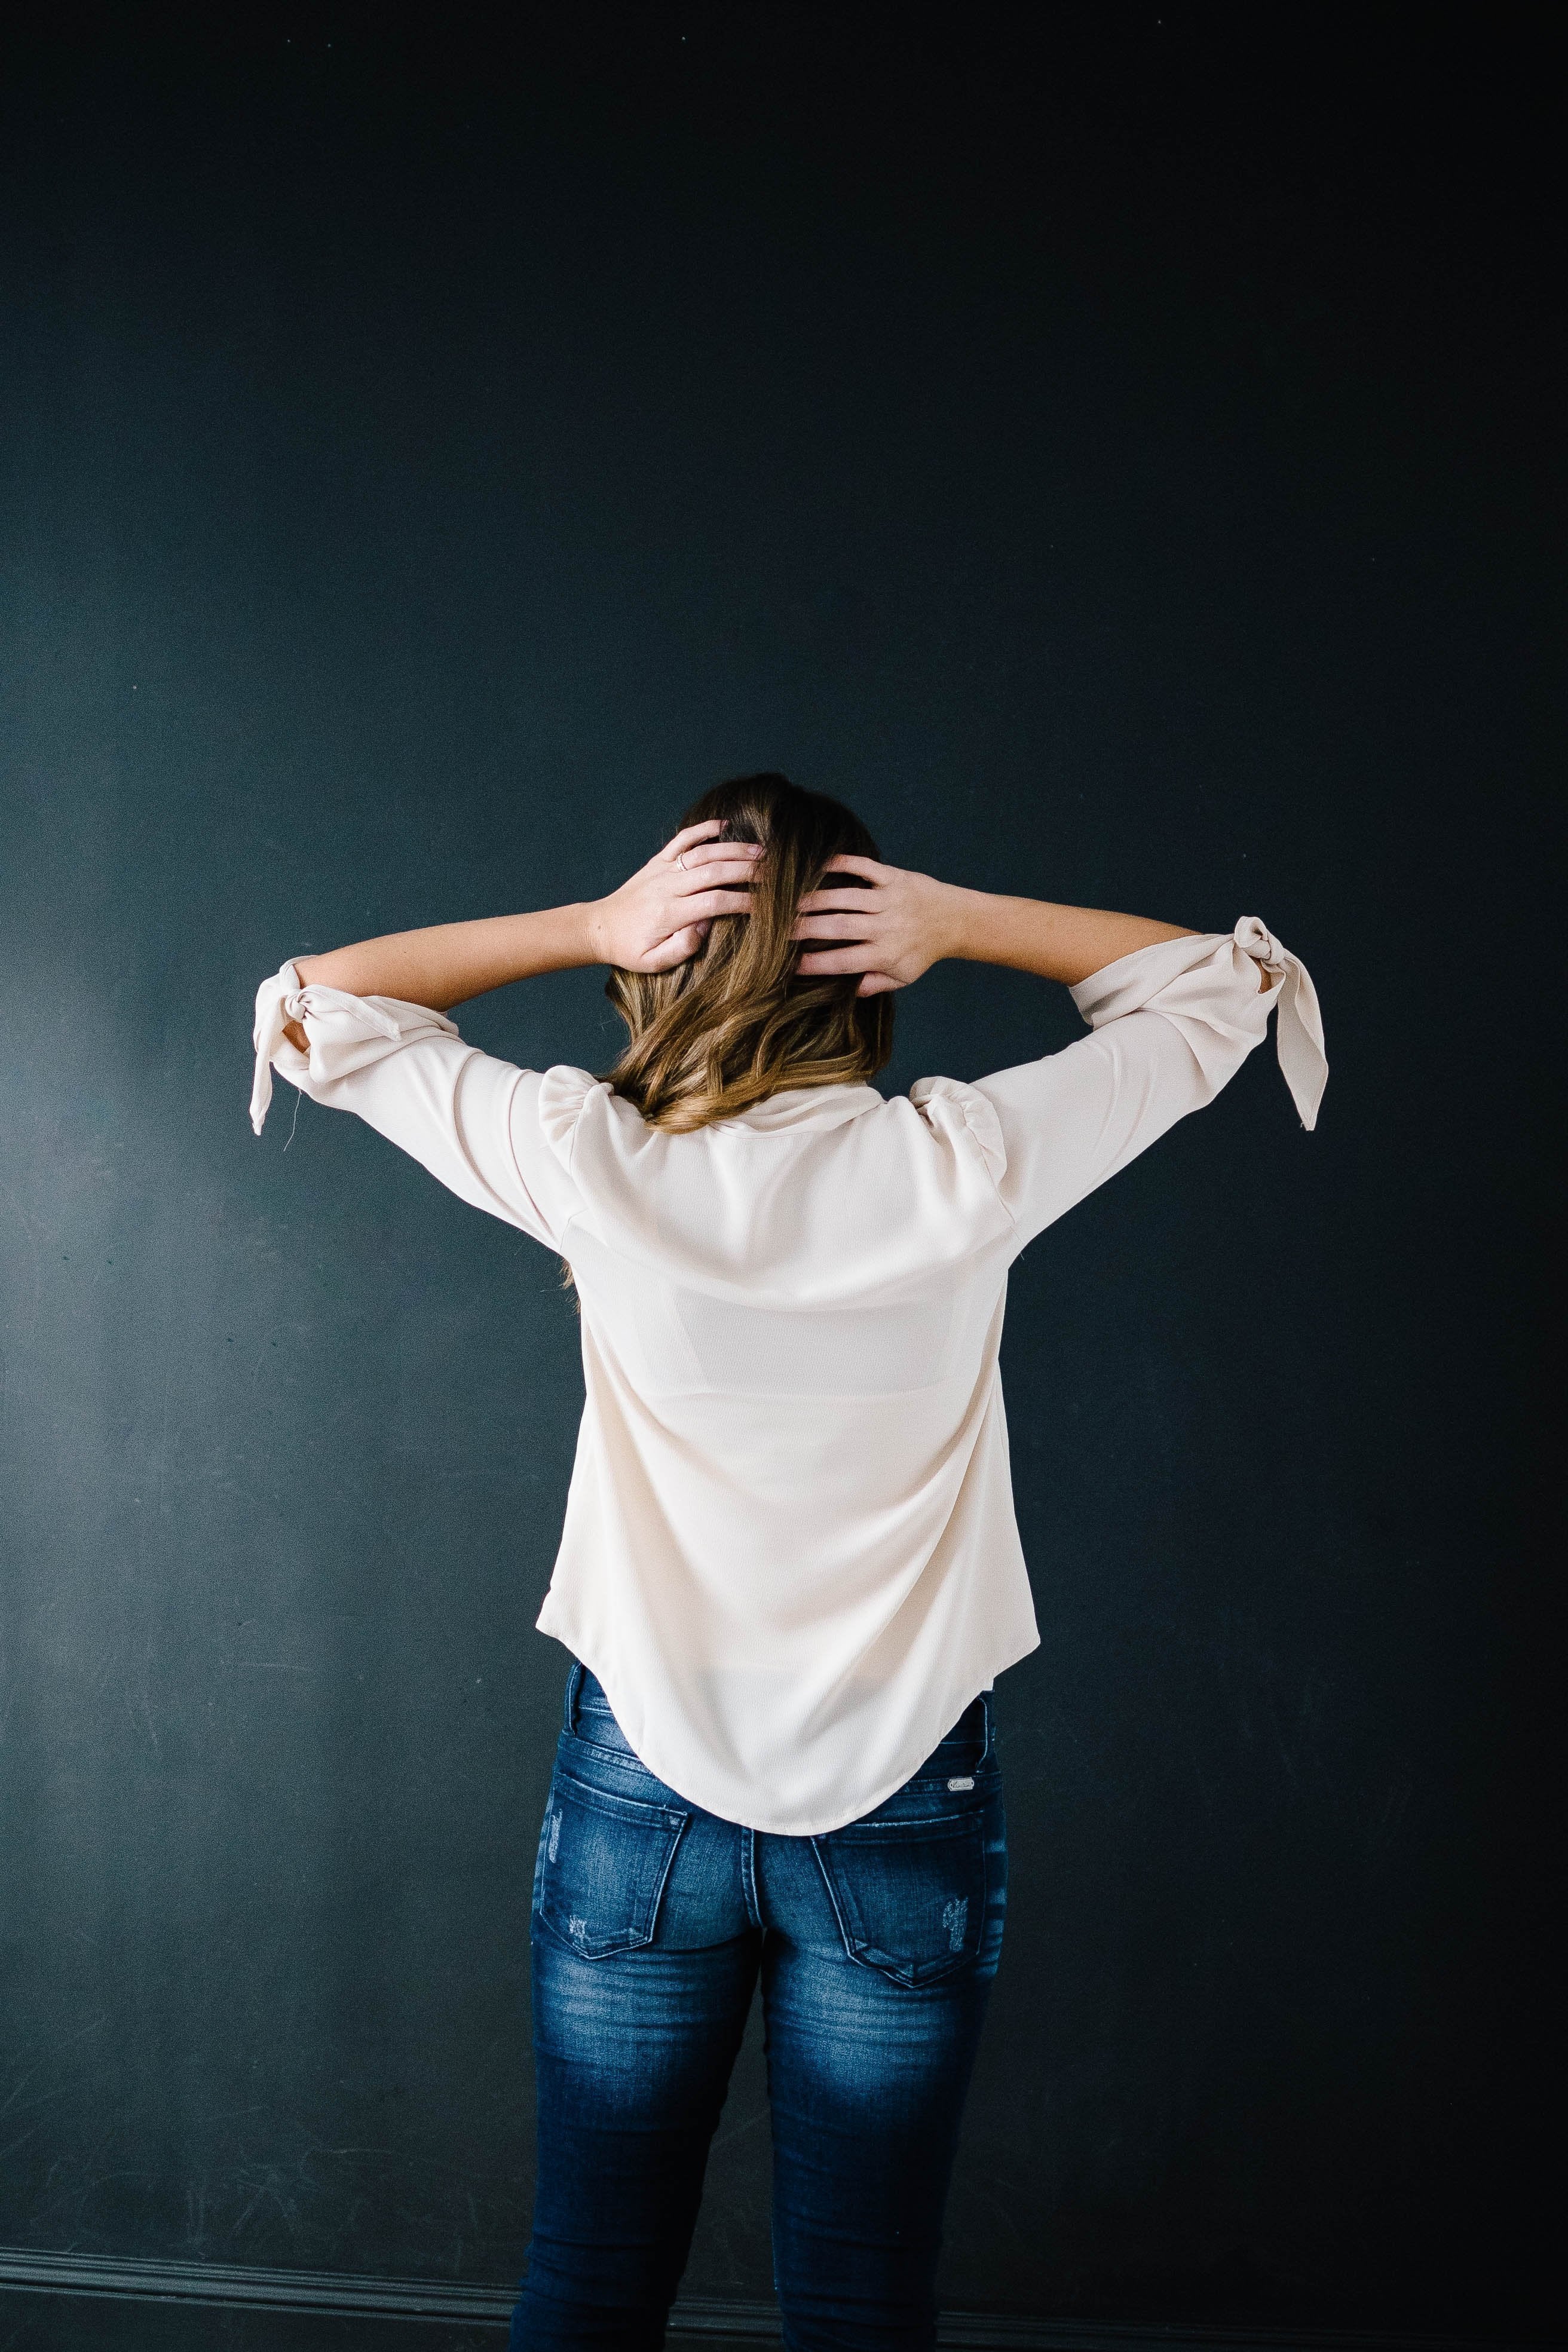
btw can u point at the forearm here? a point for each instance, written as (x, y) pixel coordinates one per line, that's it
(655, 920)
(1065, 943)
(451, 961)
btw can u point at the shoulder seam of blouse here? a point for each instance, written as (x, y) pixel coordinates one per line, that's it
(981, 1124)
(561, 1078)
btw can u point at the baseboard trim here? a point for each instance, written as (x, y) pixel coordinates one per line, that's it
(350, 2297)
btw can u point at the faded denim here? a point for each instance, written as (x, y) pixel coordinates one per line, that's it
(874, 1944)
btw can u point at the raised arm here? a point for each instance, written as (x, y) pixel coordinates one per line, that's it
(652, 921)
(890, 926)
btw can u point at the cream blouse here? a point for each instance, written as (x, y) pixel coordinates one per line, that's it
(790, 1553)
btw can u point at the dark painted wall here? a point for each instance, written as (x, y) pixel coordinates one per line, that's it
(1116, 465)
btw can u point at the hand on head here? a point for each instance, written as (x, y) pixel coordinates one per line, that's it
(662, 915)
(888, 924)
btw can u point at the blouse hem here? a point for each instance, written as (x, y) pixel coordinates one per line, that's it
(950, 1713)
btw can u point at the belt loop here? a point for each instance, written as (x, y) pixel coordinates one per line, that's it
(574, 1684)
(985, 1748)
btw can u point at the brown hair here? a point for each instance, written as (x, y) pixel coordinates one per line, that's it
(735, 1023)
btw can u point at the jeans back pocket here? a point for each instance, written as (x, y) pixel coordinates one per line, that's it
(910, 1895)
(603, 1864)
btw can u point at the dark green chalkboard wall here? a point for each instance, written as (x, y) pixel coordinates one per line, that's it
(1109, 448)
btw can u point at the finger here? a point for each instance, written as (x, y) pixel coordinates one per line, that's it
(876, 983)
(710, 877)
(832, 927)
(675, 950)
(705, 851)
(684, 839)
(851, 862)
(822, 966)
(716, 902)
(841, 902)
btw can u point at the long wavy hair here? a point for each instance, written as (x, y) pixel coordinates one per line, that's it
(735, 1023)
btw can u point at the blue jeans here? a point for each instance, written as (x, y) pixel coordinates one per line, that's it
(875, 1945)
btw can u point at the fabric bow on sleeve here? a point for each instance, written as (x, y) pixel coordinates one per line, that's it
(345, 1032)
(1298, 1027)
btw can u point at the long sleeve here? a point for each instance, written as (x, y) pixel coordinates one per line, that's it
(496, 1134)
(1172, 1023)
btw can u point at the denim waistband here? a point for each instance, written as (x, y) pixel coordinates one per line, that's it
(585, 1697)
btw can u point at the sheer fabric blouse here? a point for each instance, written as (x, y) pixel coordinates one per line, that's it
(790, 1552)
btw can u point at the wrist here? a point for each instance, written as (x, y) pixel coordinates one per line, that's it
(590, 924)
(547, 939)
(960, 923)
